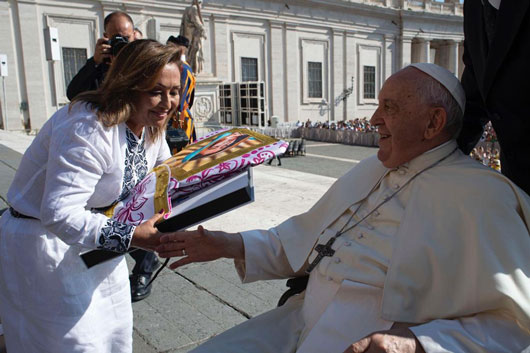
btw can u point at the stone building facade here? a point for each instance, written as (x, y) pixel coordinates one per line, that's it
(316, 59)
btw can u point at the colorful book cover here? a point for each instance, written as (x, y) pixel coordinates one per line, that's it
(211, 159)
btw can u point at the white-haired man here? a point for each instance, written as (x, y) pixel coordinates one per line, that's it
(406, 252)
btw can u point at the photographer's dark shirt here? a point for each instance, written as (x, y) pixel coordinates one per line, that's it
(88, 78)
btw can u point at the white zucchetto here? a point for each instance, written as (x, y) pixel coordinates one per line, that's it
(446, 78)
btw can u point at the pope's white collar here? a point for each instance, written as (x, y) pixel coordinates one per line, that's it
(431, 156)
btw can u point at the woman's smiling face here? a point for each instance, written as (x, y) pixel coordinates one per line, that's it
(155, 106)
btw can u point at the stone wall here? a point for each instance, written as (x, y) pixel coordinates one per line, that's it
(344, 37)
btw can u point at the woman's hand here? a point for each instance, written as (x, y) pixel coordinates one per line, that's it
(200, 246)
(146, 235)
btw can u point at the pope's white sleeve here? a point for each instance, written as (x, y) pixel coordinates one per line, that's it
(485, 332)
(264, 257)
(80, 153)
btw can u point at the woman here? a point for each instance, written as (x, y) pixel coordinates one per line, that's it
(87, 156)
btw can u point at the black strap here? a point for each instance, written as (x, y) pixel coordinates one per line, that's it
(157, 272)
(17, 214)
(296, 286)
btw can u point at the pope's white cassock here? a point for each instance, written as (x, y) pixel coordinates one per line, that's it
(449, 253)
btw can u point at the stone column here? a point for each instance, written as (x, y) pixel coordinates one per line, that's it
(292, 77)
(35, 65)
(452, 47)
(427, 5)
(338, 77)
(425, 50)
(351, 61)
(277, 72)
(11, 45)
(388, 56)
(460, 58)
(221, 47)
(406, 51)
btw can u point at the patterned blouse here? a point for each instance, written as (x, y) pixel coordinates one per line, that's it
(76, 165)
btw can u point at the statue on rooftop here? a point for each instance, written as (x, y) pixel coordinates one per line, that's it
(192, 27)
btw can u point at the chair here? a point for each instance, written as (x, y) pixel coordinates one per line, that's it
(301, 148)
(289, 149)
(294, 150)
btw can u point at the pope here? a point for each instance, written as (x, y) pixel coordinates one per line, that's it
(417, 249)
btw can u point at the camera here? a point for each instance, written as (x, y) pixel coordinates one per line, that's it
(116, 43)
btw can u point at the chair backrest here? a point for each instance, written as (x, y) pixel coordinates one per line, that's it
(302, 144)
(289, 149)
(301, 147)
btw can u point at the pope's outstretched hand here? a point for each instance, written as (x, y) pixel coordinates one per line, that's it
(200, 245)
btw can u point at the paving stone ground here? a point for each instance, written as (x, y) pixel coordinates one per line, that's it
(199, 301)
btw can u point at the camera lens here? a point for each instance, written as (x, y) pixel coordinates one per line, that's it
(117, 43)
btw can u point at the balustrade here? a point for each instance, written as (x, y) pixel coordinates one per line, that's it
(449, 7)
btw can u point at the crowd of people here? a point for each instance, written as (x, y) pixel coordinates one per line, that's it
(359, 125)
(487, 151)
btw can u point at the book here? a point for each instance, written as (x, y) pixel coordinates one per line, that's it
(203, 180)
(215, 200)
(193, 209)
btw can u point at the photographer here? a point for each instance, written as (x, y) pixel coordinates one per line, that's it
(119, 30)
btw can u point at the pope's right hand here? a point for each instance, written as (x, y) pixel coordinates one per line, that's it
(200, 245)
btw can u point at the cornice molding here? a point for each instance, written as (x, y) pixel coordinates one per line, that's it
(336, 32)
(276, 24)
(220, 18)
(291, 26)
(134, 9)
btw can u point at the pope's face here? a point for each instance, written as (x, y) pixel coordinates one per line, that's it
(401, 119)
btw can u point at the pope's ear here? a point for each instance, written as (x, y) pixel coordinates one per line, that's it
(436, 124)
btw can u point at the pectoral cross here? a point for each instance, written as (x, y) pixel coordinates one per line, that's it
(322, 250)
